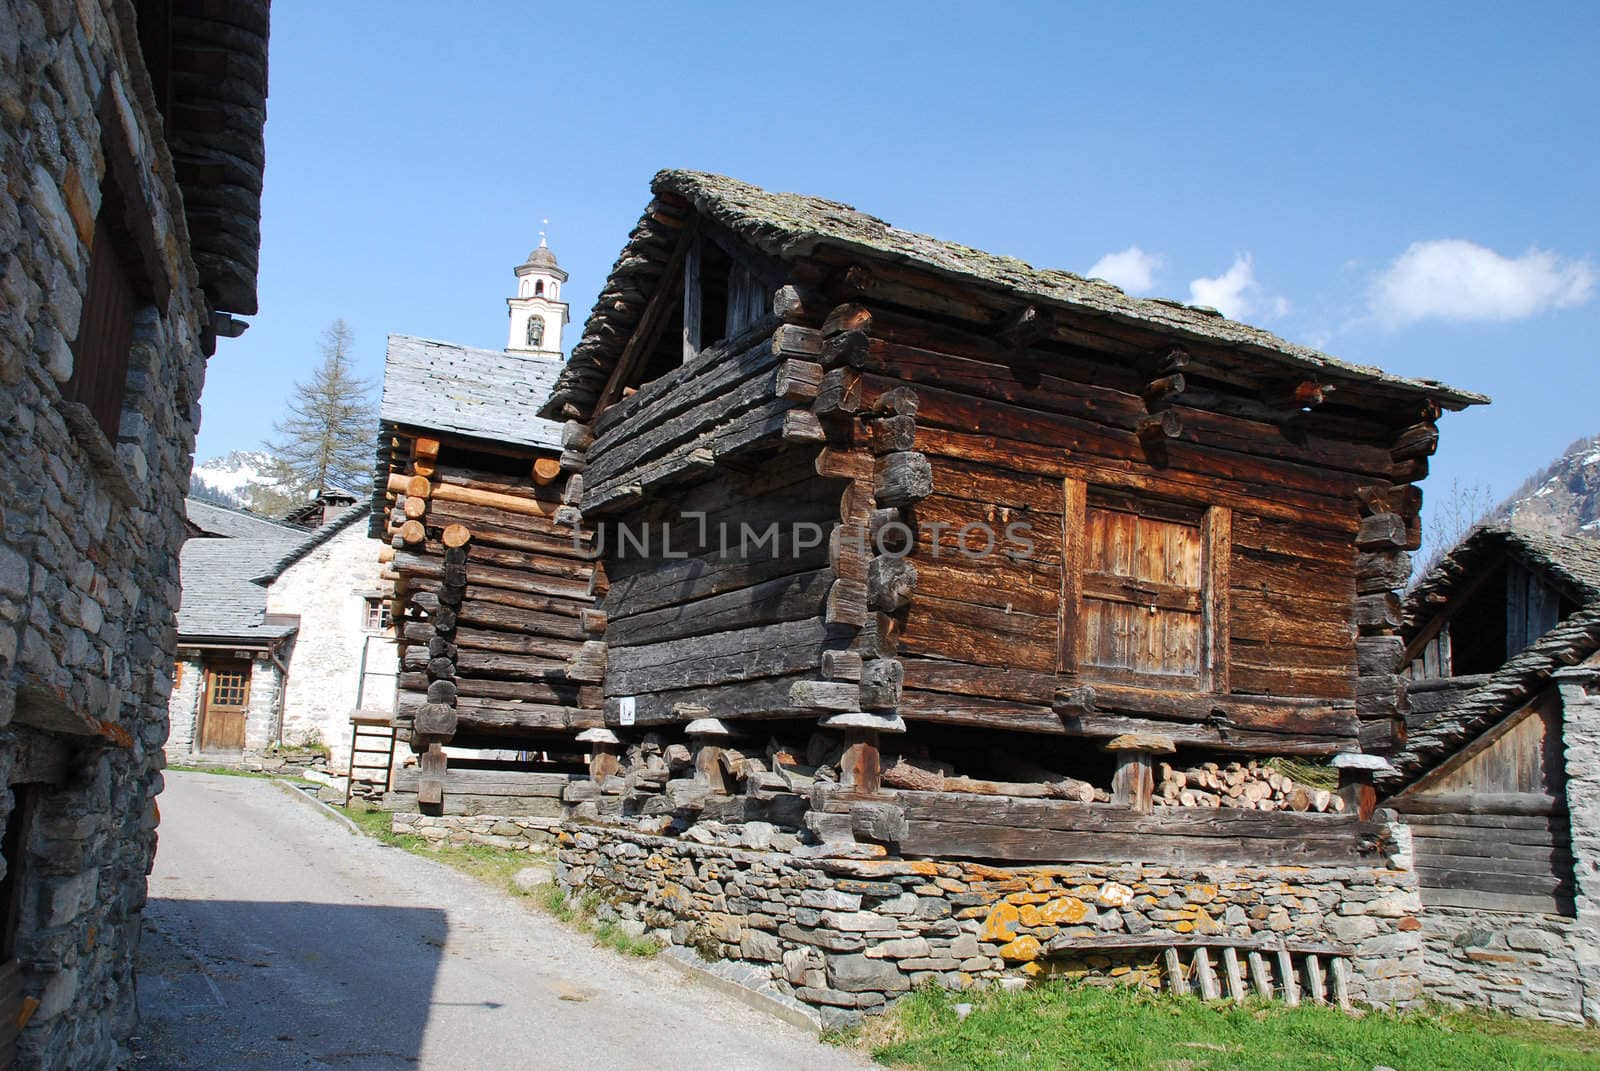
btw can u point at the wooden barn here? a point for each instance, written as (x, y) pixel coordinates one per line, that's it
(495, 586)
(947, 521)
(1499, 780)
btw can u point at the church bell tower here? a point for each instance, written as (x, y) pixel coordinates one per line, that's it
(538, 314)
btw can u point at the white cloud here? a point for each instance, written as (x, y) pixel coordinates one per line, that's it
(1132, 269)
(1454, 279)
(1236, 293)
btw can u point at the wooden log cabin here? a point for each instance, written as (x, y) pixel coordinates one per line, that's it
(1498, 780)
(495, 585)
(982, 523)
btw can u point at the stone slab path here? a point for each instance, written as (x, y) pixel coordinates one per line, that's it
(275, 938)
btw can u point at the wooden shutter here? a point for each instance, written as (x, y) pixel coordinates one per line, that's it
(105, 332)
(1145, 601)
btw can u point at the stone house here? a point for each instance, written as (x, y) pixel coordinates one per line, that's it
(283, 635)
(131, 153)
(1499, 780)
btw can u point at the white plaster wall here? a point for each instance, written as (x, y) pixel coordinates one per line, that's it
(183, 709)
(261, 716)
(327, 589)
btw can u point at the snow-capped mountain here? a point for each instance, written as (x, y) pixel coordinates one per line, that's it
(1564, 497)
(241, 478)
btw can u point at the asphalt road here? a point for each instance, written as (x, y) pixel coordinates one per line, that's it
(276, 938)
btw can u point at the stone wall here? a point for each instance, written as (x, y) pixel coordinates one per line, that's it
(183, 709)
(90, 529)
(1580, 717)
(1524, 964)
(845, 936)
(517, 833)
(327, 589)
(261, 719)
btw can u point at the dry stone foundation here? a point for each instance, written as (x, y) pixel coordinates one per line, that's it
(847, 936)
(517, 833)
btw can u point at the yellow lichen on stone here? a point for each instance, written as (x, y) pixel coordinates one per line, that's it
(1027, 898)
(1063, 911)
(1024, 949)
(1001, 923)
(1200, 894)
(1033, 970)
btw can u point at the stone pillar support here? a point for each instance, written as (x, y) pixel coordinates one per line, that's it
(605, 753)
(1356, 772)
(860, 773)
(708, 738)
(1580, 730)
(1134, 783)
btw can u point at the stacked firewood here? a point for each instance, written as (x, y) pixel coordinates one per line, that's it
(1246, 786)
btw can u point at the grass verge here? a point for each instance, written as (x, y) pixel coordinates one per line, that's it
(497, 867)
(1060, 1025)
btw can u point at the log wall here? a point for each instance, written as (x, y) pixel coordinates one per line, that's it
(873, 418)
(496, 584)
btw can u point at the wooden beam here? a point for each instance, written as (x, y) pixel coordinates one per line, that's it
(648, 330)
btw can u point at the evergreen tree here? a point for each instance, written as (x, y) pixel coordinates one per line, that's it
(326, 438)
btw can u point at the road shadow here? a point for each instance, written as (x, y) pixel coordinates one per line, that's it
(264, 984)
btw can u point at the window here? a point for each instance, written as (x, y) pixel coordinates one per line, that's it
(377, 614)
(230, 687)
(1144, 590)
(535, 331)
(177, 674)
(105, 332)
(538, 288)
(126, 271)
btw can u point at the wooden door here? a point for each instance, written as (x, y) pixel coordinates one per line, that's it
(1141, 595)
(223, 705)
(1144, 590)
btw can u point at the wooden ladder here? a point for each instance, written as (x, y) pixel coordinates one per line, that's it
(1293, 972)
(371, 735)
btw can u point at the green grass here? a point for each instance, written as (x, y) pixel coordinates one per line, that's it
(496, 867)
(1056, 1025)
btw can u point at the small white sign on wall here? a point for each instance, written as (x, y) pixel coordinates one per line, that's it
(625, 710)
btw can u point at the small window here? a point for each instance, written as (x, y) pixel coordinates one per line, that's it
(1145, 599)
(377, 615)
(538, 288)
(177, 674)
(230, 688)
(105, 333)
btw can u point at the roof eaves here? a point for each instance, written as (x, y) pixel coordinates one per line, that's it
(319, 537)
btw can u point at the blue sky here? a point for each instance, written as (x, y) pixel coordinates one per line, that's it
(1412, 186)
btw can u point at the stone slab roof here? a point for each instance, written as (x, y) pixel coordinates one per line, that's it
(318, 537)
(1573, 562)
(221, 600)
(225, 580)
(229, 523)
(789, 226)
(484, 394)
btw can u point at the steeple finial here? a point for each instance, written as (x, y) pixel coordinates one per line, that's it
(542, 243)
